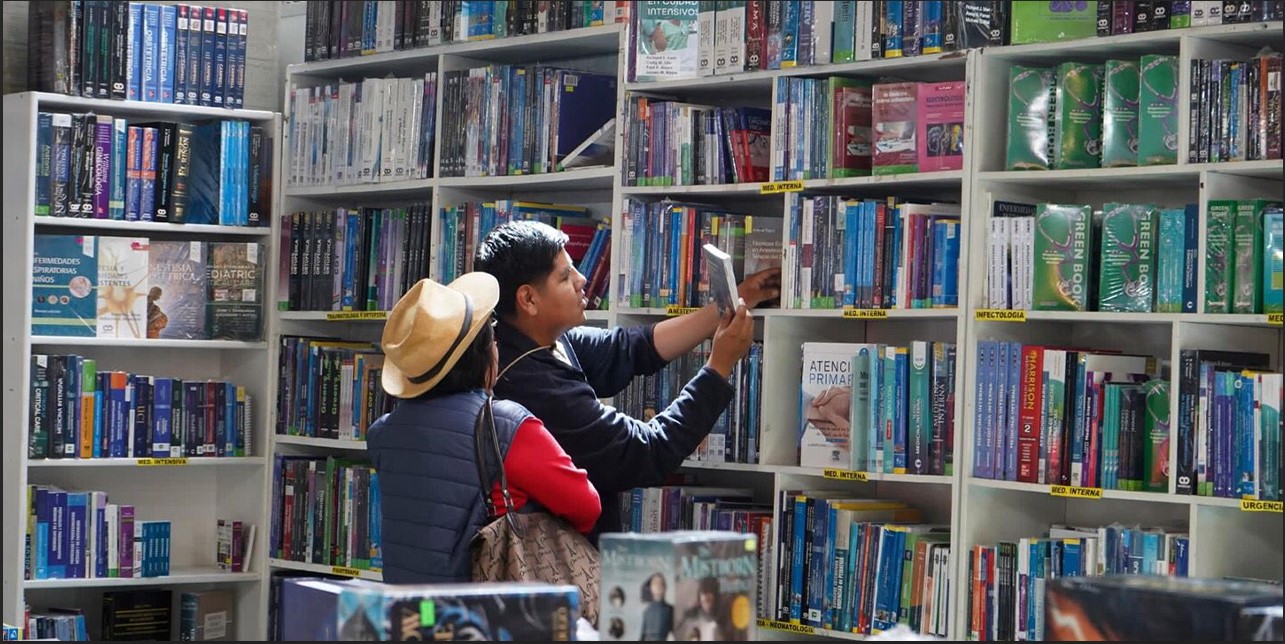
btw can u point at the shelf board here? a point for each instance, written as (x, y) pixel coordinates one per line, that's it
(1113, 317)
(574, 179)
(145, 227)
(333, 316)
(182, 576)
(49, 101)
(863, 314)
(942, 179)
(711, 190)
(321, 443)
(284, 564)
(404, 188)
(202, 461)
(74, 341)
(797, 470)
(555, 45)
(800, 629)
(1181, 174)
(1123, 495)
(1138, 43)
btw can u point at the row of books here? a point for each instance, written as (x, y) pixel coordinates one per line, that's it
(860, 565)
(235, 545)
(735, 436)
(340, 29)
(56, 623)
(118, 287)
(878, 408)
(156, 53)
(80, 535)
(1006, 581)
(144, 614)
(80, 412)
(663, 263)
(1135, 257)
(353, 259)
(328, 388)
(1058, 416)
(519, 119)
(1089, 115)
(1235, 112)
(96, 166)
(1133, 16)
(681, 144)
(372, 130)
(843, 127)
(843, 253)
(325, 511)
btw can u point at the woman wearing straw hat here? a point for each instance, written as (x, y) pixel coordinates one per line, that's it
(441, 362)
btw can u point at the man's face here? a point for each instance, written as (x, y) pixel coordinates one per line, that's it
(562, 297)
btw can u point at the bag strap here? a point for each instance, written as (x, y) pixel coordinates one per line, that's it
(487, 445)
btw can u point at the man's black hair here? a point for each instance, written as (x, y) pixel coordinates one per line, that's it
(517, 253)
(470, 371)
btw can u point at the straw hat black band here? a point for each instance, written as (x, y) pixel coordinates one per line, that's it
(459, 337)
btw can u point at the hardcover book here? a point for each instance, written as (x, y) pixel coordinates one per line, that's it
(941, 126)
(449, 612)
(234, 283)
(683, 585)
(64, 292)
(176, 295)
(894, 117)
(1063, 267)
(122, 287)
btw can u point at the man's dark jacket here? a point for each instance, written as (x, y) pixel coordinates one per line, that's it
(619, 452)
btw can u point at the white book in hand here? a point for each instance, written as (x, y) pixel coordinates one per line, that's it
(722, 279)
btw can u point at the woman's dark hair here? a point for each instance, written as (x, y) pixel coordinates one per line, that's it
(645, 594)
(470, 371)
(517, 253)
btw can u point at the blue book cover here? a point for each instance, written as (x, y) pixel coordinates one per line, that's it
(64, 285)
(119, 161)
(218, 77)
(147, 174)
(165, 55)
(209, 43)
(133, 172)
(100, 535)
(151, 60)
(195, 39)
(1191, 257)
(162, 408)
(790, 35)
(77, 515)
(1170, 260)
(179, 42)
(1273, 260)
(58, 537)
(134, 56)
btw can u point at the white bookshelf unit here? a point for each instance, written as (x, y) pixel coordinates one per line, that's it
(1224, 539)
(191, 493)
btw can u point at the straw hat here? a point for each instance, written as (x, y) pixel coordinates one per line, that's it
(431, 327)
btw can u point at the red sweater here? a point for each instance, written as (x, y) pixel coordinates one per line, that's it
(539, 469)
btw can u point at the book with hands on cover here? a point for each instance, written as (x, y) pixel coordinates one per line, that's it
(722, 279)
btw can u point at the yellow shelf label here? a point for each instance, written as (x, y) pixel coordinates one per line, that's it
(346, 572)
(342, 316)
(1276, 319)
(1254, 505)
(785, 626)
(777, 187)
(999, 315)
(846, 475)
(1076, 492)
(675, 311)
(162, 461)
(868, 314)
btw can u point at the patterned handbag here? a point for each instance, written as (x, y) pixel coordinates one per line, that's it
(530, 544)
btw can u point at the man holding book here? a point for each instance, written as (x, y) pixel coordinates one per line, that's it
(560, 370)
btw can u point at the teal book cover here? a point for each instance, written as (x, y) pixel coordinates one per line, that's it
(64, 292)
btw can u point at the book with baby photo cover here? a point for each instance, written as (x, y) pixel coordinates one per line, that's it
(825, 404)
(681, 585)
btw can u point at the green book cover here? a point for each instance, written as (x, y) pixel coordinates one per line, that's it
(1120, 114)
(1051, 21)
(1220, 217)
(1030, 100)
(1155, 455)
(1078, 121)
(1062, 272)
(1127, 269)
(1247, 256)
(1157, 110)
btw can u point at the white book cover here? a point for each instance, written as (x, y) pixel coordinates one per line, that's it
(825, 405)
(122, 287)
(722, 279)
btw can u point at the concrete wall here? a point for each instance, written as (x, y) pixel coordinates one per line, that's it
(264, 65)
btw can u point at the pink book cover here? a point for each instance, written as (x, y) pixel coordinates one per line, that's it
(941, 126)
(894, 113)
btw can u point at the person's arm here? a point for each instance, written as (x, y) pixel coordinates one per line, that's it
(611, 359)
(539, 467)
(676, 336)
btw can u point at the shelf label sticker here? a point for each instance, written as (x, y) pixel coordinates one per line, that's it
(346, 572)
(674, 310)
(785, 626)
(778, 187)
(865, 314)
(142, 462)
(343, 316)
(1254, 505)
(999, 315)
(846, 475)
(1076, 492)
(1276, 319)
